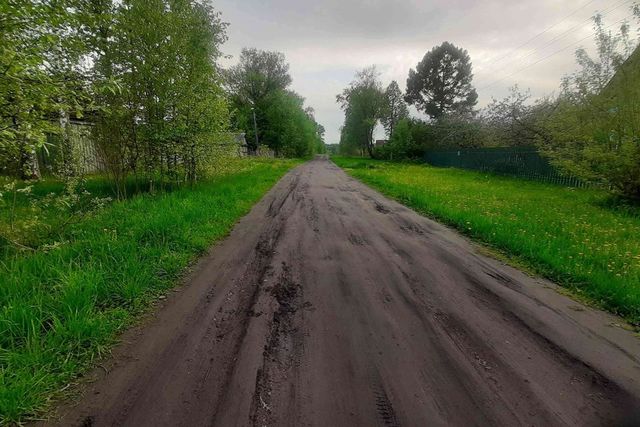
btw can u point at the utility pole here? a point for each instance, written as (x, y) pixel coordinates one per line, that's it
(255, 127)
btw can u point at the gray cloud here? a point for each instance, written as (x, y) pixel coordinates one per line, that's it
(326, 41)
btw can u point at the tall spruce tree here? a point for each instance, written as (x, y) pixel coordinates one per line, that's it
(441, 82)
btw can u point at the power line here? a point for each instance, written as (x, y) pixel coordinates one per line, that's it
(570, 30)
(563, 35)
(549, 56)
(542, 32)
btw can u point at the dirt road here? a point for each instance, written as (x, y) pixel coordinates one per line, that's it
(330, 305)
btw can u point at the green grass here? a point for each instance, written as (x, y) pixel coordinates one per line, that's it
(61, 309)
(582, 239)
(28, 221)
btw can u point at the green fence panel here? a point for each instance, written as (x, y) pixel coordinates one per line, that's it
(521, 162)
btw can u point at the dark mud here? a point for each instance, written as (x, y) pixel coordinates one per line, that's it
(330, 305)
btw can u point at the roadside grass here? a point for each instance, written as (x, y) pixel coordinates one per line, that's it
(583, 239)
(35, 220)
(62, 308)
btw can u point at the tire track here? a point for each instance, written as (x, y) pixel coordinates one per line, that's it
(330, 305)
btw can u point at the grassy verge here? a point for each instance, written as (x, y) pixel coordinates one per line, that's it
(62, 308)
(578, 238)
(40, 217)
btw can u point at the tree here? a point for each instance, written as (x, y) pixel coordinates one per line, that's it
(595, 124)
(257, 75)
(441, 82)
(289, 129)
(258, 85)
(169, 102)
(40, 77)
(400, 145)
(363, 103)
(595, 73)
(395, 108)
(514, 120)
(320, 131)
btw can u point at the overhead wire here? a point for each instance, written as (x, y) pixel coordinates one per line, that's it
(565, 33)
(551, 55)
(546, 30)
(562, 35)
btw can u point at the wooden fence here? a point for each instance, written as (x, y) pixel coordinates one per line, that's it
(81, 147)
(88, 160)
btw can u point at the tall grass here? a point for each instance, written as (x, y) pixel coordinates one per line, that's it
(580, 238)
(35, 218)
(62, 308)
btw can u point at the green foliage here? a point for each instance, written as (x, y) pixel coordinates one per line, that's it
(169, 104)
(513, 121)
(422, 136)
(144, 72)
(400, 145)
(591, 129)
(441, 82)
(257, 75)
(595, 124)
(333, 149)
(62, 308)
(40, 75)
(446, 132)
(289, 130)
(363, 103)
(576, 237)
(441, 86)
(32, 219)
(459, 131)
(259, 86)
(395, 108)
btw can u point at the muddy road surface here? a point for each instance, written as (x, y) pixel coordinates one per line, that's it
(330, 305)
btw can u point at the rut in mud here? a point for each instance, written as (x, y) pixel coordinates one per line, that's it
(331, 305)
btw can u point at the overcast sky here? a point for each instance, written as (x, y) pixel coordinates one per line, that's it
(327, 41)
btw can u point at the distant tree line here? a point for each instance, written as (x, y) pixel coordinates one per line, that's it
(589, 129)
(259, 89)
(145, 75)
(440, 87)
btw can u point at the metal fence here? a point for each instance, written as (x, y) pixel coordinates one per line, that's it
(521, 162)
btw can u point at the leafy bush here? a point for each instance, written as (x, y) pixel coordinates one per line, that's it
(32, 220)
(400, 146)
(597, 146)
(40, 54)
(595, 127)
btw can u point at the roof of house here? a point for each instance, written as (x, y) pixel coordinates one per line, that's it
(628, 72)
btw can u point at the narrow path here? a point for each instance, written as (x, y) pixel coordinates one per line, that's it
(330, 305)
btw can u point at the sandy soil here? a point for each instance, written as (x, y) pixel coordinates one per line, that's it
(330, 305)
